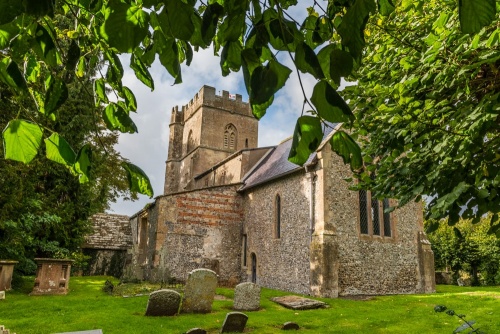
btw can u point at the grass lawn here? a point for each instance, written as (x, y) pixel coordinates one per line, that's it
(87, 307)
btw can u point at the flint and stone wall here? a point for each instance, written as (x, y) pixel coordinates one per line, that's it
(282, 263)
(190, 230)
(373, 265)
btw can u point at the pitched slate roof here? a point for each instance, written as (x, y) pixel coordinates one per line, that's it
(275, 163)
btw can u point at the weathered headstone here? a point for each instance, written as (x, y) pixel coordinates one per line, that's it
(234, 323)
(288, 326)
(199, 291)
(163, 303)
(247, 297)
(196, 331)
(52, 276)
(2, 294)
(6, 271)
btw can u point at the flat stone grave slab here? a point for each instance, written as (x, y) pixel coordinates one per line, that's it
(93, 331)
(299, 303)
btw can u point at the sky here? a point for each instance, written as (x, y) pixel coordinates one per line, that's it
(148, 148)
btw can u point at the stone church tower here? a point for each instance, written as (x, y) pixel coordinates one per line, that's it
(204, 132)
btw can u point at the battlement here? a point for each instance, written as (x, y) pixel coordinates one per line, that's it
(207, 97)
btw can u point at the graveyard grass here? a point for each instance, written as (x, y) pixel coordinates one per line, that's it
(88, 307)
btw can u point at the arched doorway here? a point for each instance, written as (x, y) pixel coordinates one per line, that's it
(254, 268)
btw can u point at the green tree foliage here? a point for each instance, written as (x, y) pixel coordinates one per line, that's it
(247, 34)
(468, 247)
(44, 209)
(427, 112)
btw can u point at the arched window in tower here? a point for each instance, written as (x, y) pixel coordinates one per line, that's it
(190, 143)
(230, 137)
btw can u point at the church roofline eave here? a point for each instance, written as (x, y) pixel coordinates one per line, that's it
(296, 170)
(327, 138)
(146, 207)
(232, 156)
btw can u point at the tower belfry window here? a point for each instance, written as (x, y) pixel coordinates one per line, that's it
(230, 137)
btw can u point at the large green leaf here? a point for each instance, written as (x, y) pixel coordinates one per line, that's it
(284, 35)
(307, 61)
(22, 140)
(329, 104)
(83, 164)
(347, 148)
(44, 47)
(141, 72)
(308, 28)
(125, 26)
(385, 7)
(9, 9)
(138, 180)
(209, 23)
(58, 150)
(129, 97)
(168, 52)
(341, 64)
(306, 139)
(116, 118)
(100, 92)
(7, 33)
(351, 29)
(176, 20)
(11, 75)
(56, 95)
(267, 80)
(230, 59)
(475, 14)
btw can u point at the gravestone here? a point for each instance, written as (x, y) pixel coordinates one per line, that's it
(287, 326)
(163, 303)
(234, 323)
(199, 292)
(2, 294)
(6, 270)
(247, 297)
(52, 276)
(196, 331)
(299, 303)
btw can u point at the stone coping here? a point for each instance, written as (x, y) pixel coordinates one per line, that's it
(38, 259)
(8, 262)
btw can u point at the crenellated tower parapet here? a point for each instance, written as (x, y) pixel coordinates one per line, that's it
(206, 130)
(207, 97)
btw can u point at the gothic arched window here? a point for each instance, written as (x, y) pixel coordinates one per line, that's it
(230, 137)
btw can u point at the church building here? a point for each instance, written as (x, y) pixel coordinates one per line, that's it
(249, 214)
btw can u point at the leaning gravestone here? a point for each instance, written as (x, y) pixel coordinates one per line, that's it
(196, 331)
(163, 303)
(287, 326)
(234, 323)
(247, 297)
(199, 292)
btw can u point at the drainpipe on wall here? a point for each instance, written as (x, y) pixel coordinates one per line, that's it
(312, 178)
